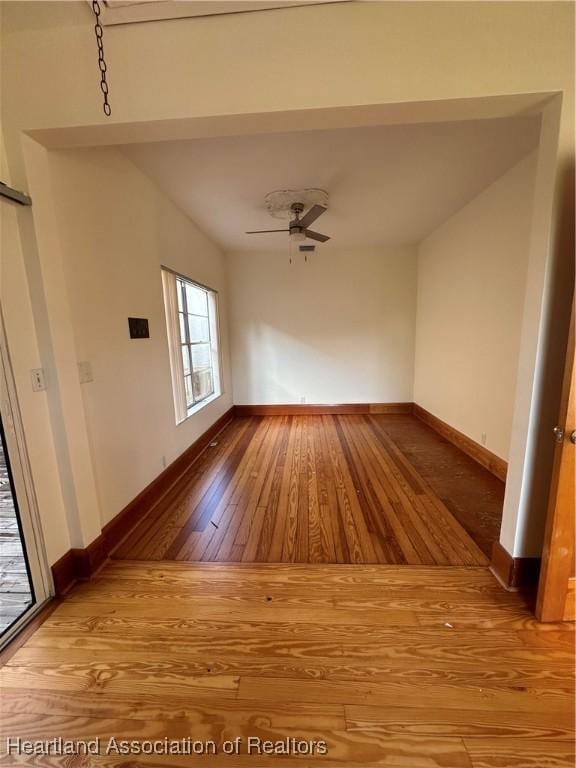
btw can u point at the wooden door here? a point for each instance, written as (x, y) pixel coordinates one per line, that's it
(557, 588)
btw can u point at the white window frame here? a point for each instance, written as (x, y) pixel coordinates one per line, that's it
(170, 280)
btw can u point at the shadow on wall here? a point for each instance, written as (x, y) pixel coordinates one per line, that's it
(280, 381)
(562, 291)
(339, 330)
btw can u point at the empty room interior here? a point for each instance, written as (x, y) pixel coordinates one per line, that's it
(337, 359)
(287, 437)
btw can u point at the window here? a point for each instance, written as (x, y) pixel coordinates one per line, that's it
(191, 319)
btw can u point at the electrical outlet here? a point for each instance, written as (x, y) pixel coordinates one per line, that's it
(483, 438)
(164, 461)
(85, 372)
(302, 399)
(38, 379)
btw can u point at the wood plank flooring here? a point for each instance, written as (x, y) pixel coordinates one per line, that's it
(322, 489)
(391, 666)
(472, 494)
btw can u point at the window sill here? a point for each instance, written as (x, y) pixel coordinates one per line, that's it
(198, 407)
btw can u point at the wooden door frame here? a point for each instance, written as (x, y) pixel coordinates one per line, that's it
(558, 549)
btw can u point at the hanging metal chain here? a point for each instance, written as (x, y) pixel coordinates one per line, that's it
(99, 32)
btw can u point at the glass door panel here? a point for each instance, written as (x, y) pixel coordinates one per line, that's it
(25, 582)
(16, 590)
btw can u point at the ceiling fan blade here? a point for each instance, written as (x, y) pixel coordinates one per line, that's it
(316, 236)
(265, 231)
(312, 215)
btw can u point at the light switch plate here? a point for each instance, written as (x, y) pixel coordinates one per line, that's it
(38, 379)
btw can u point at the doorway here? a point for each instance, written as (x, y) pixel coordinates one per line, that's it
(25, 584)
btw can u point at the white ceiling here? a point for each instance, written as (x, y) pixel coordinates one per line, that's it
(387, 184)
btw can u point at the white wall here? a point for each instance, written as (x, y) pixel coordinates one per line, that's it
(116, 230)
(338, 329)
(471, 285)
(24, 354)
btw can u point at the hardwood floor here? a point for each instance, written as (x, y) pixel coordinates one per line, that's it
(425, 662)
(404, 667)
(325, 489)
(473, 495)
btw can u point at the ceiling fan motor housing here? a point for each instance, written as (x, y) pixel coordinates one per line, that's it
(297, 232)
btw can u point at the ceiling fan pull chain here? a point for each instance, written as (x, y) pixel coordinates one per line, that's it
(99, 32)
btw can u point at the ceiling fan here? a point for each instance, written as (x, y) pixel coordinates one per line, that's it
(298, 227)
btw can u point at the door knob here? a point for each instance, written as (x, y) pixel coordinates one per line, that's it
(558, 434)
(573, 437)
